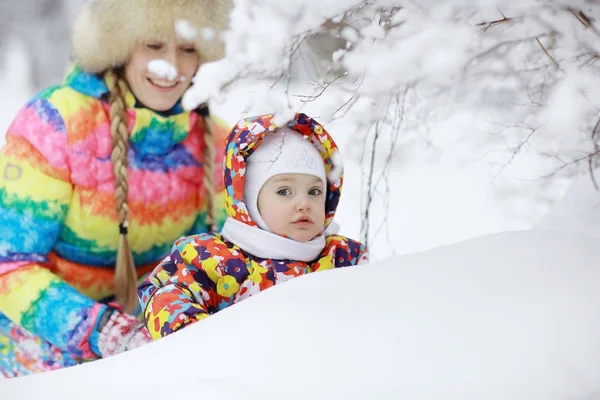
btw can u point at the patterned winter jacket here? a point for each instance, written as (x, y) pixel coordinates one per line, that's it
(205, 273)
(58, 223)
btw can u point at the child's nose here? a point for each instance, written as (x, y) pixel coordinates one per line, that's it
(303, 203)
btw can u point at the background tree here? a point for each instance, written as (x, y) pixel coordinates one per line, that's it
(523, 76)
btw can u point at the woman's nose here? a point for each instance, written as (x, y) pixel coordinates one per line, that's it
(171, 56)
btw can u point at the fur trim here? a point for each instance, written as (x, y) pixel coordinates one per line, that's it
(106, 31)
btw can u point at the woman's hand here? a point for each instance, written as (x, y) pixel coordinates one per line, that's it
(120, 332)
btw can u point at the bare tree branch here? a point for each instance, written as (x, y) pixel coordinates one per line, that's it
(488, 25)
(515, 151)
(505, 44)
(587, 158)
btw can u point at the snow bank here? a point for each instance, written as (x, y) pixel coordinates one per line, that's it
(505, 316)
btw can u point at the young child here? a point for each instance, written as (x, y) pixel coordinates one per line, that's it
(282, 190)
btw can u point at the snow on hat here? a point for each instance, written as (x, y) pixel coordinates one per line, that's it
(283, 152)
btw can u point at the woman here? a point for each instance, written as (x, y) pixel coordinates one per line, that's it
(99, 176)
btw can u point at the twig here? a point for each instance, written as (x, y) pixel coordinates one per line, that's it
(587, 157)
(365, 227)
(311, 98)
(492, 23)
(584, 19)
(597, 149)
(385, 174)
(595, 130)
(505, 43)
(591, 170)
(537, 39)
(515, 151)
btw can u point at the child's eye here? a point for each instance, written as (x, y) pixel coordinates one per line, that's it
(154, 46)
(189, 50)
(315, 192)
(284, 192)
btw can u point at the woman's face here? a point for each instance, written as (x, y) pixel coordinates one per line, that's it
(157, 92)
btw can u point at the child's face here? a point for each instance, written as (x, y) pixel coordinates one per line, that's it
(293, 205)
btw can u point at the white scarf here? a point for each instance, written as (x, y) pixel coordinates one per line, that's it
(263, 244)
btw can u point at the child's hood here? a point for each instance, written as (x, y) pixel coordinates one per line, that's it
(248, 134)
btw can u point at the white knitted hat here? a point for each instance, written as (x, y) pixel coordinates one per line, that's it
(284, 151)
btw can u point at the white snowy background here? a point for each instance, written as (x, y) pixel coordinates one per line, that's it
(481, 109)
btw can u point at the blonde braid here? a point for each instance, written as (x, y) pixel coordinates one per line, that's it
(209, 167)
(125, 273)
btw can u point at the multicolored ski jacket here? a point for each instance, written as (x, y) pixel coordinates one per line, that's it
(58, 223)
(205, 273)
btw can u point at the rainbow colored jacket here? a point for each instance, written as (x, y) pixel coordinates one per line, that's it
(58, 223)
(205, 273)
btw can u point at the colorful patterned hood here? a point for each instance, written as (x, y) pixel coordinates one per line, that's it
(244, 139)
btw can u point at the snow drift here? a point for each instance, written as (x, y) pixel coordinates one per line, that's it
(505, 316)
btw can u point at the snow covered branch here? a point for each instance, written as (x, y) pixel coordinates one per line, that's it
(530, 65)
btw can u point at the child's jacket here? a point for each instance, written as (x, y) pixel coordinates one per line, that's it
(206, 273)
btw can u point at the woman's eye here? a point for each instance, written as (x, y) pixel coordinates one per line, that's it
(154, 46)
(189, 50)
(284, 192)
(315, 192)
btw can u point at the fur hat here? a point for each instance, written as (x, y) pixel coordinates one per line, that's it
(105, 31)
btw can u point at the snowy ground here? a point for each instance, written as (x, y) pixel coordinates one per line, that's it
(506, 316)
